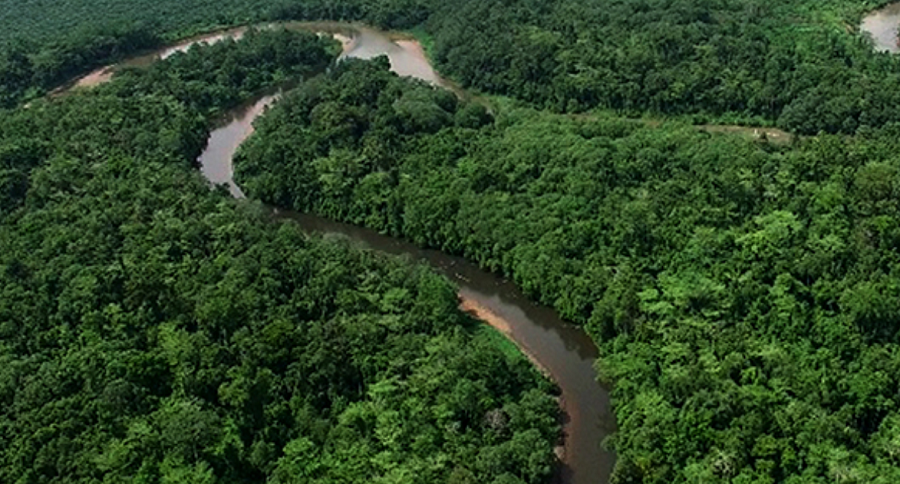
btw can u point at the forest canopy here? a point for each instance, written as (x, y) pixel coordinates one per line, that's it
(800, 64)
(155, 330)
(743, 294)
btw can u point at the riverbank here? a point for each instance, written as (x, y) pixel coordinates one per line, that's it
(352, 37)
(494, 324)
(416, 44)
(563, 353)
(492, 319)
(755, 133)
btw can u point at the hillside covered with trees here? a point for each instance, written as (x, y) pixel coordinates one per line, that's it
(155, 330)
(743, 294)
(799, 64)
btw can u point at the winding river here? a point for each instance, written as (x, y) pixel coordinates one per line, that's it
(563, 351)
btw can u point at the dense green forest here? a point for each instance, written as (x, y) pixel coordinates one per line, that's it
(800, 64)
(153, 330)
(745, 295)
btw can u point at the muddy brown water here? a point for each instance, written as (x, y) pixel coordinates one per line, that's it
(231, 130)
(563, 351)
(105, 74)
(882, 25)
(406, 54)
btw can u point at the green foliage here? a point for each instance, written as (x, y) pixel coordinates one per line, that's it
(798, 64)
(744, 294)
(161, 112)
(27, 69)
(154, 330)
(42, 48)
(500, 340)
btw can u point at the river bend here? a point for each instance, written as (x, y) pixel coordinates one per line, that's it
(561, 350)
